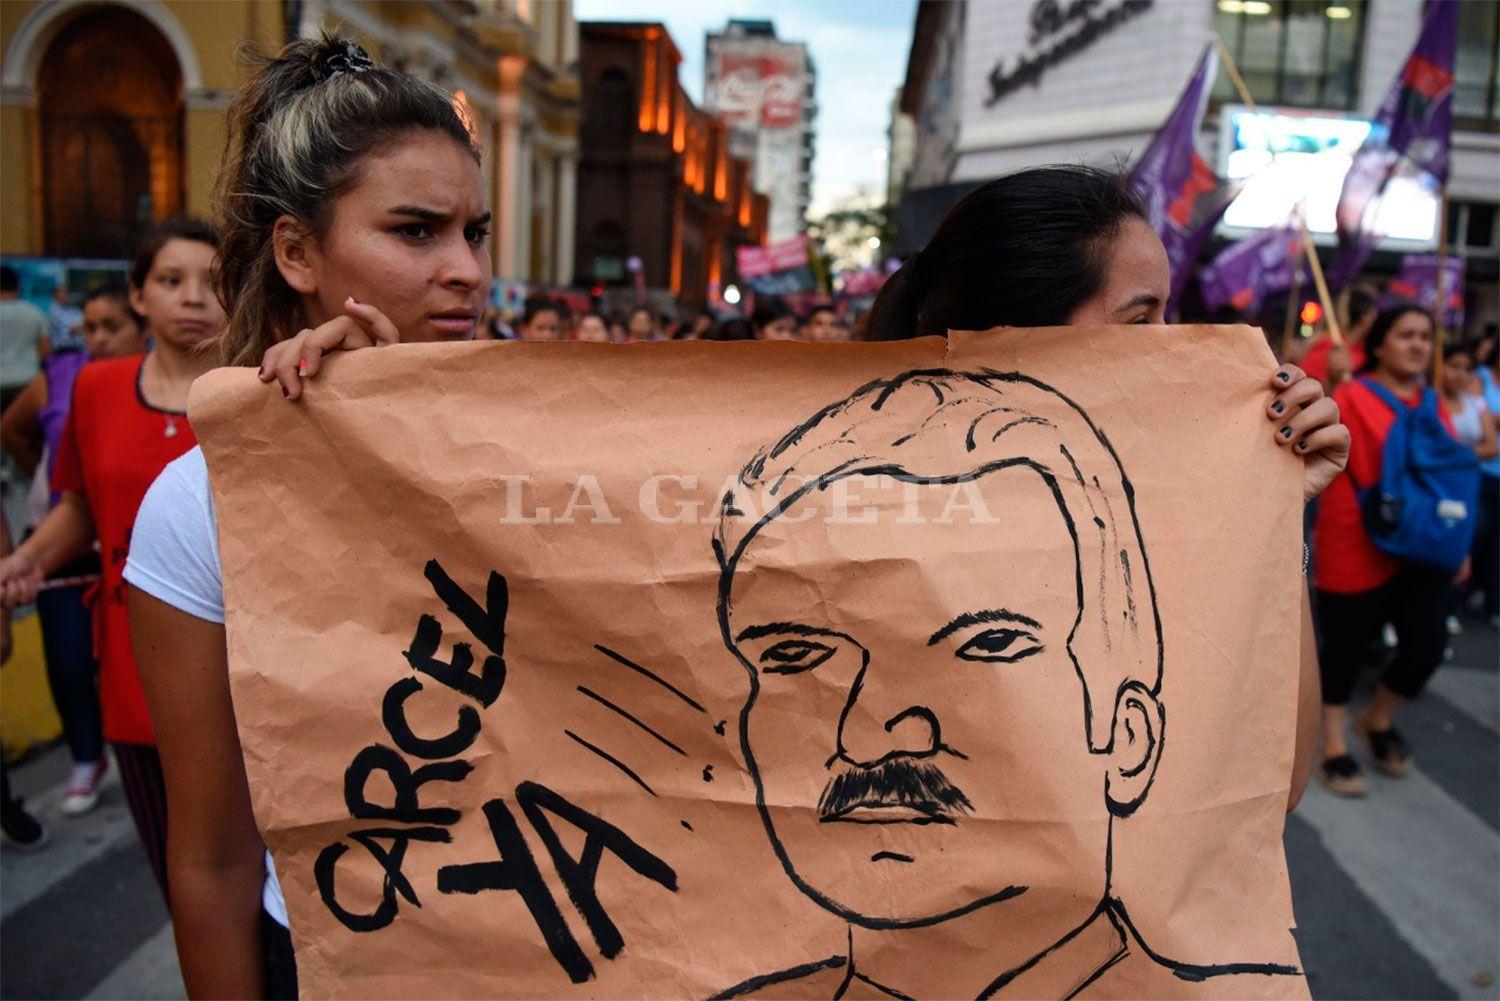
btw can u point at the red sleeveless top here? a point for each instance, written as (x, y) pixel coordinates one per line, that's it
(110, 452)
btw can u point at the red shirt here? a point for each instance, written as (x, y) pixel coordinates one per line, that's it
(111, 451)
(1315, 362)
(1347, 561)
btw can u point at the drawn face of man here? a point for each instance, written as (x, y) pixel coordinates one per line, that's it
(918, 736)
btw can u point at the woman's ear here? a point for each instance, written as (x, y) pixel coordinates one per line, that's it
(137, 299)
(296, 255)
(1134, 748)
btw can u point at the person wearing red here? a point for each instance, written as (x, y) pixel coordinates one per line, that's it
(1359, 587)
(1332, 366)
(127, 421)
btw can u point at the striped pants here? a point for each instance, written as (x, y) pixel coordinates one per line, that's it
(146, 794)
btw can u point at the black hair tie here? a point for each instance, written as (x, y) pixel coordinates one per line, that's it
(346, 57)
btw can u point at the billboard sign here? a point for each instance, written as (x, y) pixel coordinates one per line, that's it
(758, 90)
(1285, 155)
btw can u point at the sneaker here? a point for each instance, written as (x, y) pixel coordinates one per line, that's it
(24, 832)
(82, 794)
(1390, 750)
(1341, 776)
(1454, 626)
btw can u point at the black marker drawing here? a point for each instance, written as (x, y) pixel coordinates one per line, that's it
(516, 870)
(976, 750)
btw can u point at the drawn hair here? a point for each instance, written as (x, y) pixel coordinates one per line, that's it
(1023, 250)
(941, 427)
(176, 228)
(1381, 329)
(299, 128)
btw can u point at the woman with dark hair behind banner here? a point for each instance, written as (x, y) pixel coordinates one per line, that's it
(1070, 246)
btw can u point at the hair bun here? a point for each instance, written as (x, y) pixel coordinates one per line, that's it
(341, 56)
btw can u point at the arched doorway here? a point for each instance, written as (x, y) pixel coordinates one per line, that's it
(110, 94)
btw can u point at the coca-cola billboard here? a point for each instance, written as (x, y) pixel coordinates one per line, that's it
(757, 89)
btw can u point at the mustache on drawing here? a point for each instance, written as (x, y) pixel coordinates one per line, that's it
(898, 782)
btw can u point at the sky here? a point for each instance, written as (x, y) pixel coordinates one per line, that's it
(858, 46)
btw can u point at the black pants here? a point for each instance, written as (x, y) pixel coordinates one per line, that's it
(146, 795)
(279, 963)
(1487, 544)
(1415, 601)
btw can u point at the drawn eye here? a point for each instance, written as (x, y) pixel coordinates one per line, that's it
(794, 656)
(1000, 646)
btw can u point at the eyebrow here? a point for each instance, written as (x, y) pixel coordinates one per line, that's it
(1144, 299)
(774, 628)
(433, 215)
(977, 618)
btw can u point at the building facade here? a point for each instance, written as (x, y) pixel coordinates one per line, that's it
(112, 112)
(1005, 84)
(659, 192)
(901, 151)
(765, 89)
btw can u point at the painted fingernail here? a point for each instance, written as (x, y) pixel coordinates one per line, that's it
(1302, 446)
(301, 366)
(1284, 376)
(1277, 407)
(1286, 432)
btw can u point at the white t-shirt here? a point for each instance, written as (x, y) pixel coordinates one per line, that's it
(174, 557)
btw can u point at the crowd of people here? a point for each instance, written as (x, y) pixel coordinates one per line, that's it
(303, 262)
(771, 318)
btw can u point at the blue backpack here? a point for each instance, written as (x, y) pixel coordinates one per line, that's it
(1422, 509)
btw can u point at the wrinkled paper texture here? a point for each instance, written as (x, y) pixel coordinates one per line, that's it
(981, 766)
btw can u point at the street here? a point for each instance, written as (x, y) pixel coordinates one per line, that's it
(1396, 895)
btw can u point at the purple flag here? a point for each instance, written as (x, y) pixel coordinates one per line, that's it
(1184, 197)
(1418, 282)
(1411, 133)
(1246, 272)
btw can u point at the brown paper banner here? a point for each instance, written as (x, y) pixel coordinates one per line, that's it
(930, 669)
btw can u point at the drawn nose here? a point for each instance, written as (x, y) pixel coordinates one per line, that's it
(913, 732)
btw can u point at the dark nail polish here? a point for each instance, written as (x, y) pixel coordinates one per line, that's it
(1286, 432)
(1302, 446)
(1284, 376)
(1277, 407)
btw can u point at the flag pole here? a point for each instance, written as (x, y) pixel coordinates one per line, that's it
(1313, 264)
(1442, 295)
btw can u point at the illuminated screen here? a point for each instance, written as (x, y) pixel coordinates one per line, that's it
(1287, 155)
